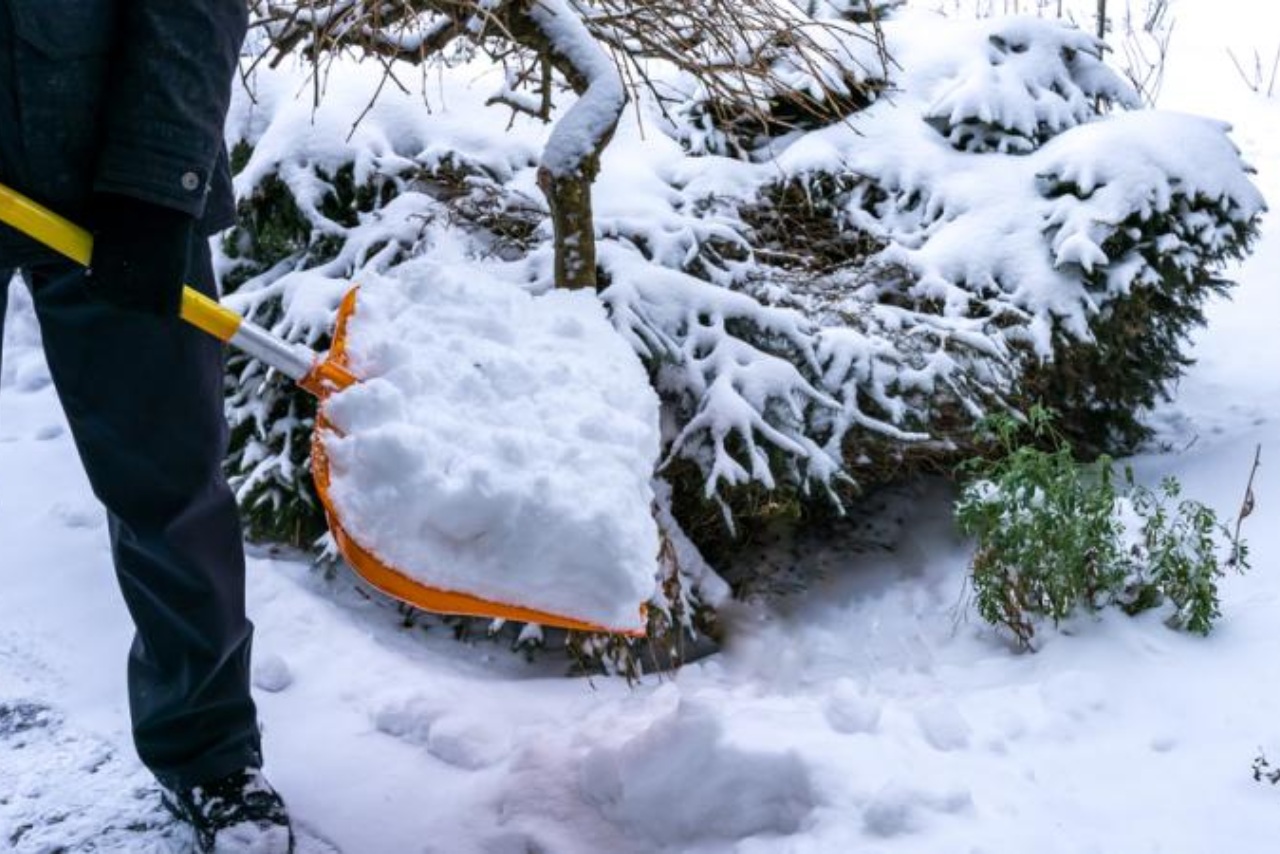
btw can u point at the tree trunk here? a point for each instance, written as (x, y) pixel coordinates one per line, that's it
(569, 197)
(571, 160)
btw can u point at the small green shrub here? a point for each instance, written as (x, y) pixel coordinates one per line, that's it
(1055, 535)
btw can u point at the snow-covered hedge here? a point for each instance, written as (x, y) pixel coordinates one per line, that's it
(832, 305)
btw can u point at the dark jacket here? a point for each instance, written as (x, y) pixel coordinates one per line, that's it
(123, 96)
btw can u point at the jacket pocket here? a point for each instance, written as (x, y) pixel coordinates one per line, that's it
(65, 29)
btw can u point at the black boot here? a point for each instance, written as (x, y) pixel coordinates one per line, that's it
(238, 814)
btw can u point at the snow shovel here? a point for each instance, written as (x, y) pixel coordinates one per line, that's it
(318, 374)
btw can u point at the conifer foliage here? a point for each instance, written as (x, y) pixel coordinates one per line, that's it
(837, 244)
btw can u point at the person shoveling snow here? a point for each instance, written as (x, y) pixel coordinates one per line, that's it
(499, 456)
(112, 113)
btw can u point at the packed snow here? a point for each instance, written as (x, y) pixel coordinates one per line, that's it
(498, 444)
(872, 712)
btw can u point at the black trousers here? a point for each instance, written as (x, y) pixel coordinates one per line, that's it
(143, 396)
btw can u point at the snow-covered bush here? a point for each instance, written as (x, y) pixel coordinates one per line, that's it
(1137, 32)
(984, 278)
(859, 11)
(1054, 536)
(824, 302)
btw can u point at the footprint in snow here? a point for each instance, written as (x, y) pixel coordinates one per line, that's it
(742, 791)
(453, 739)
(31, 376)
(80, 516)
(1074, 694)
(408, 719)
(467, 744)
(898, 811)
(48, 432)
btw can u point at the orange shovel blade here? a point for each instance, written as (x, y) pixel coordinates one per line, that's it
(332, 375)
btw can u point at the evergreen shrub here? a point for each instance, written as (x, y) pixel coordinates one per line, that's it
(827, 299)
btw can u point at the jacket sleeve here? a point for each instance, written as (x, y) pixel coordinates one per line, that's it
(167, 97)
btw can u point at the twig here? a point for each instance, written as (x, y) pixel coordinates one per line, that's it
(1257, 79)
(1246, 508)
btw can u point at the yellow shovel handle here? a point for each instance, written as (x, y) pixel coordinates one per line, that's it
(69, 239)
(209, 315)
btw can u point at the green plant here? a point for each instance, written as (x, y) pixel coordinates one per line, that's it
(1177, 553)
(1055, 535)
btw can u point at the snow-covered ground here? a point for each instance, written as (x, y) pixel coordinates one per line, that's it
(872, 713)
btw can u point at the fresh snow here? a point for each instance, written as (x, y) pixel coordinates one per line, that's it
(589, 122)
(872, 713)
(499, 444)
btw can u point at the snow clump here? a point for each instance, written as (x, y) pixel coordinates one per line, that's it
(735, 793)
(500, 444)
